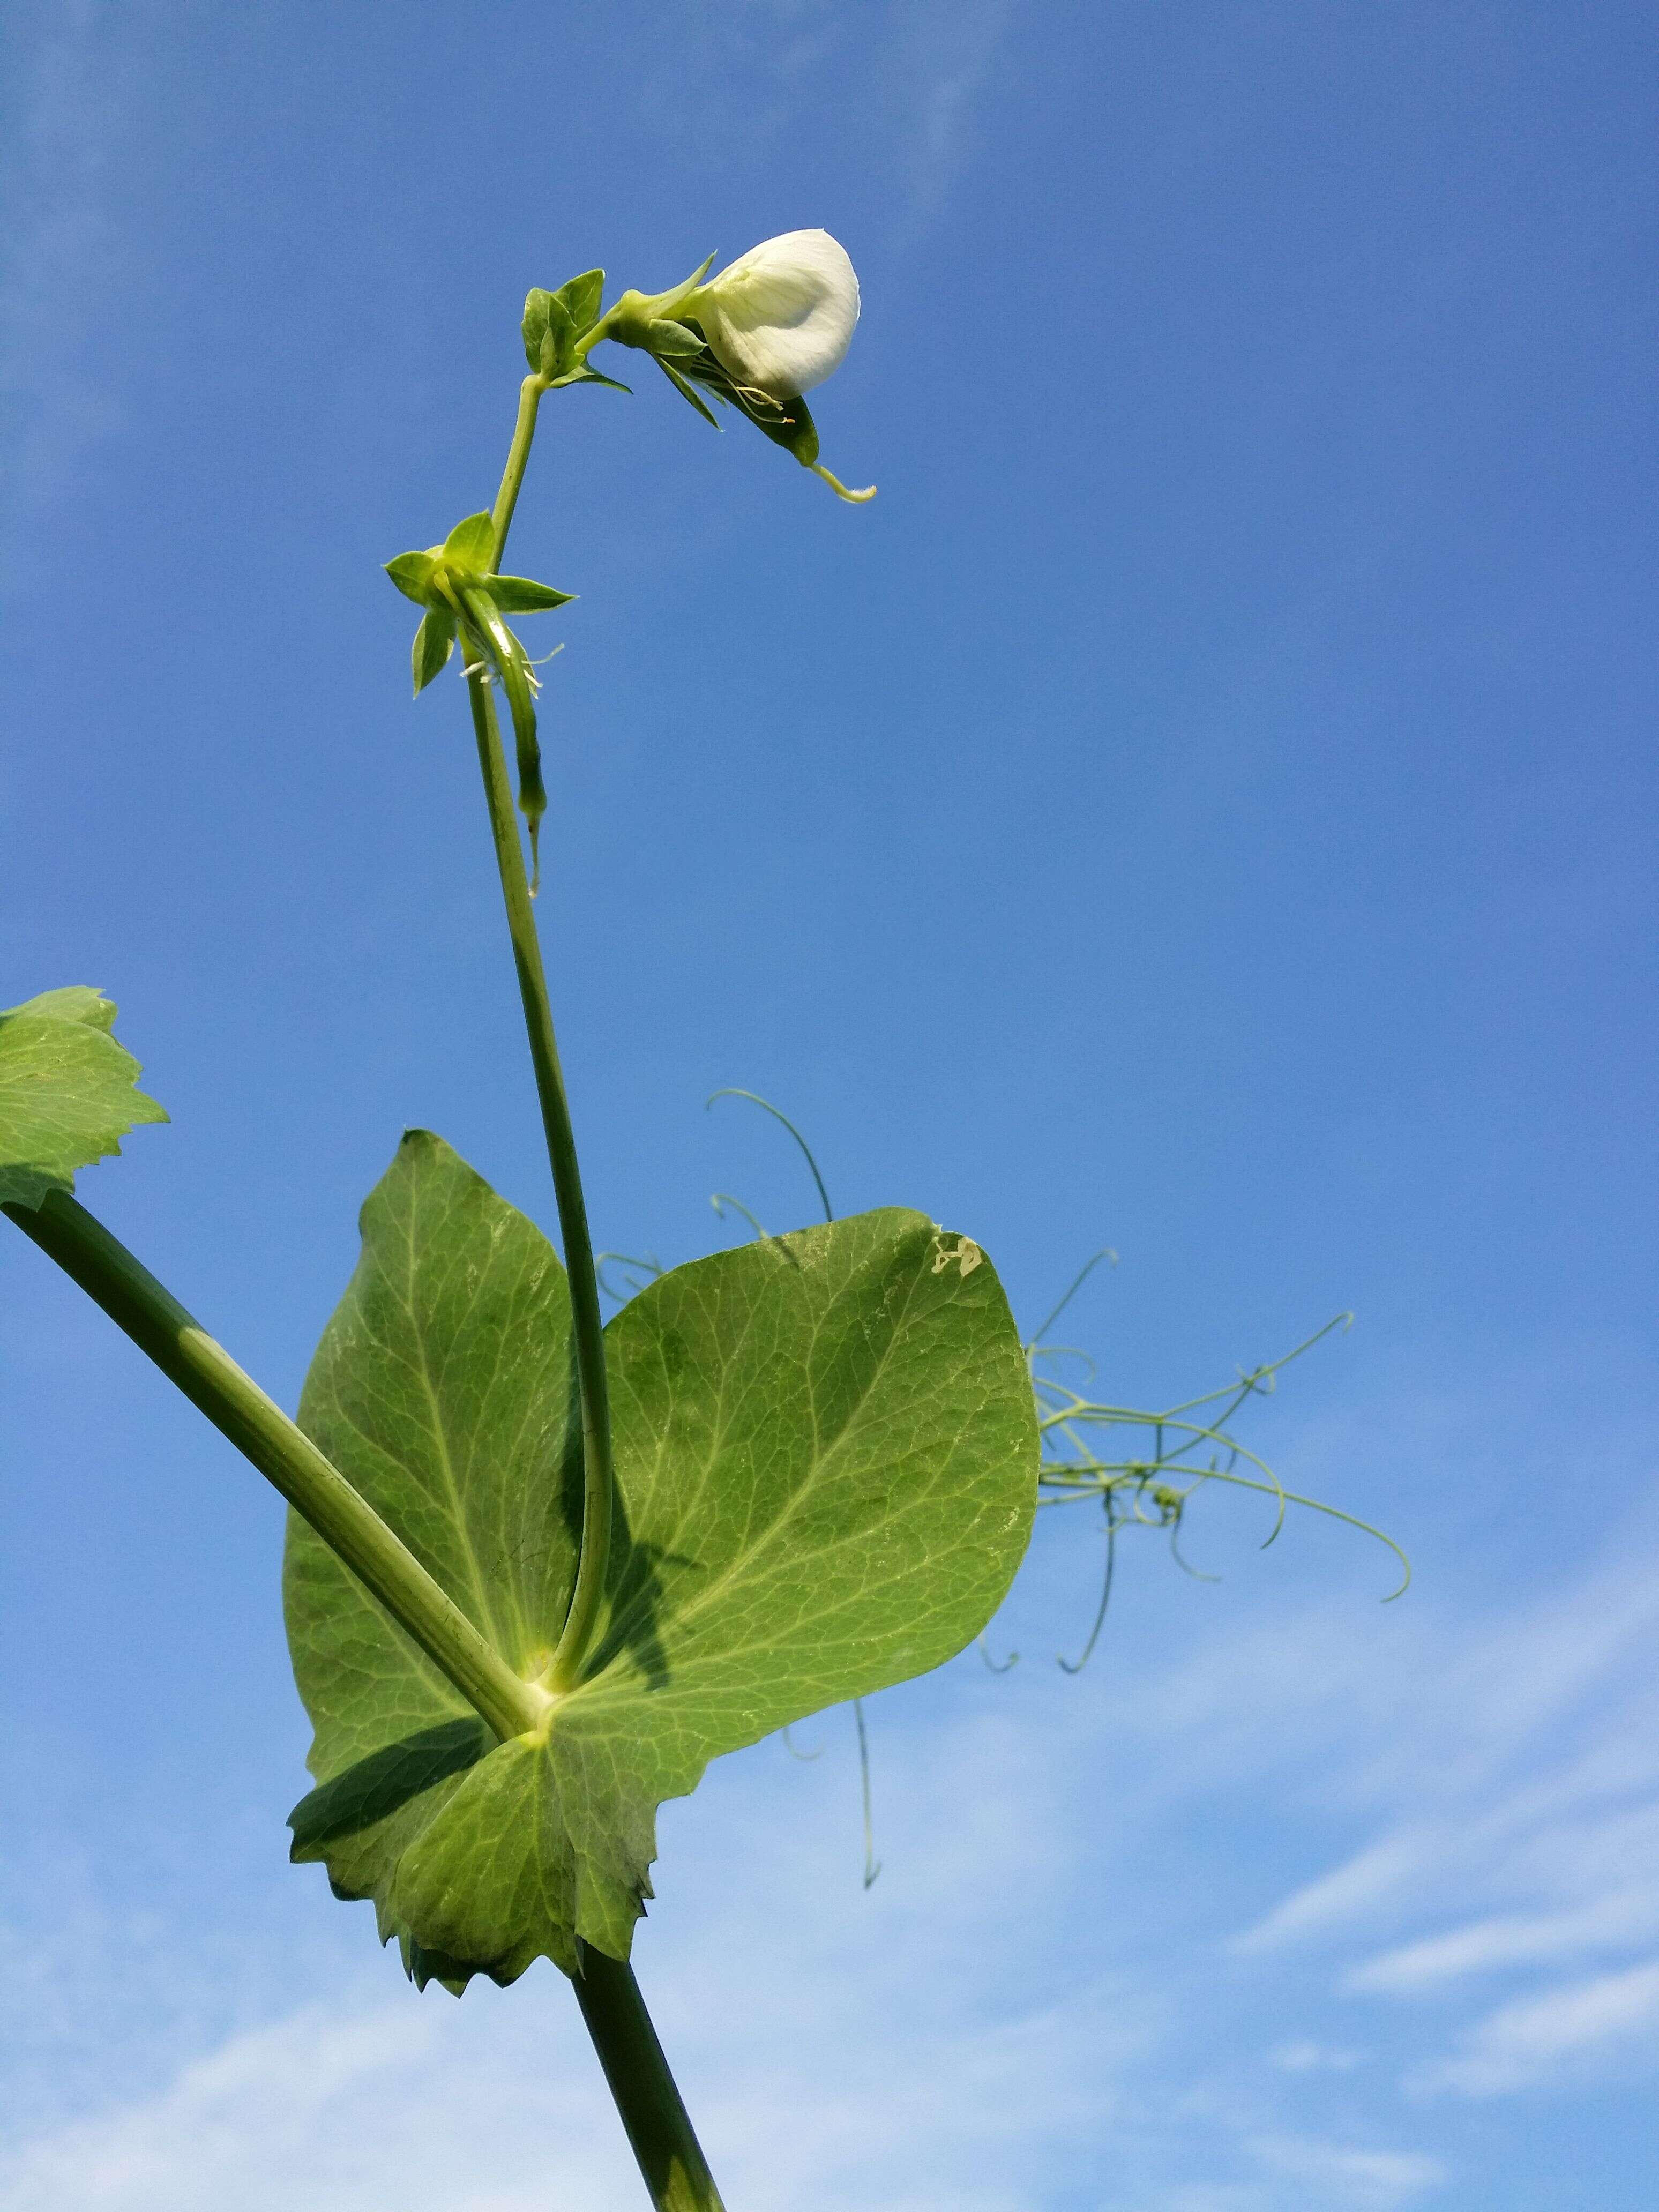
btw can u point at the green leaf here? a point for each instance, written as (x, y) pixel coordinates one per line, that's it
(534, 326)
(518, 595)
(471, 543)
(582, 296)
(67, 1092)
(559, 340)
(434, 641)
(826, 1464)
(412, 574)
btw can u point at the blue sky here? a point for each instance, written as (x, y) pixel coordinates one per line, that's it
(1203, 805)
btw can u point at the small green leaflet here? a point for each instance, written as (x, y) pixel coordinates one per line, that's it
(554, 321)
(67, 1092)
(470, 546)
(826, 1456)
(582, 296)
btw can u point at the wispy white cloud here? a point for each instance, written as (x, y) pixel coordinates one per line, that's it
(1371, 1878)
(1367, 2180)
(1304, 2055)
(856, 2058)
(1513, 1800)
(919, 71)
(1040, 1987)
(1551, 2037)
(942, 57)
(1616, 1919)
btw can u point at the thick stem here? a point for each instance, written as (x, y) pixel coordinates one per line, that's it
(659, 2127)
(262, 1432)
(597, 1478)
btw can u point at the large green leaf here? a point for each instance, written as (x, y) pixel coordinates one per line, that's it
(826, 1461)
(67, 1094)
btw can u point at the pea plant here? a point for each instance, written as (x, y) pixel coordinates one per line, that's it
(541, 1569)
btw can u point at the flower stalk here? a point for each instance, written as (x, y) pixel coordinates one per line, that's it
(598, 1477)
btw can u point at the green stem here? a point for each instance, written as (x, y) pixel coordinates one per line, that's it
(262, 1432)
(524, 431)
(588, 1326)
(659, 2127)
(597, 1477)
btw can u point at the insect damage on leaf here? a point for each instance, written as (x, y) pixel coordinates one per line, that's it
(826, 1463)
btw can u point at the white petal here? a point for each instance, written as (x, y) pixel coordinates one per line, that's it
(780, 317)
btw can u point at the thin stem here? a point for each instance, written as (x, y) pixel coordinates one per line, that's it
(597, 1478)
(263, 1433)
(524, 431)
(597, 1481)
(659, 2127)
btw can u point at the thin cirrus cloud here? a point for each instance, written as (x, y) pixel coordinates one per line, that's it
(1041, 1981)
(1514, 1801)
(1367, 2180)
(1552, 2037)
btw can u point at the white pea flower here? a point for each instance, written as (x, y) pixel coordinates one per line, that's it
(780, 319)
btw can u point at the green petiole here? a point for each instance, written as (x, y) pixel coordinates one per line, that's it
(190, 1359)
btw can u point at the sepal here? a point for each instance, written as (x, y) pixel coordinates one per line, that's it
(583, 375)
(434, 641)
(672, 338)
(687, 391)
(519, 595)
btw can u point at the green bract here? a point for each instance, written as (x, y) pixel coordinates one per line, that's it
(68, 1092)
(456, 584)
(826, 1468)
(556, 323)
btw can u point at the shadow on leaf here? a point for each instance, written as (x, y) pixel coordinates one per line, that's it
(386, 1780)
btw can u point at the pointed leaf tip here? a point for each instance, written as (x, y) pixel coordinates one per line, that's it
(434, 641)
(581, 297)
(520, 595)
(412, 574)
(534, 325)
